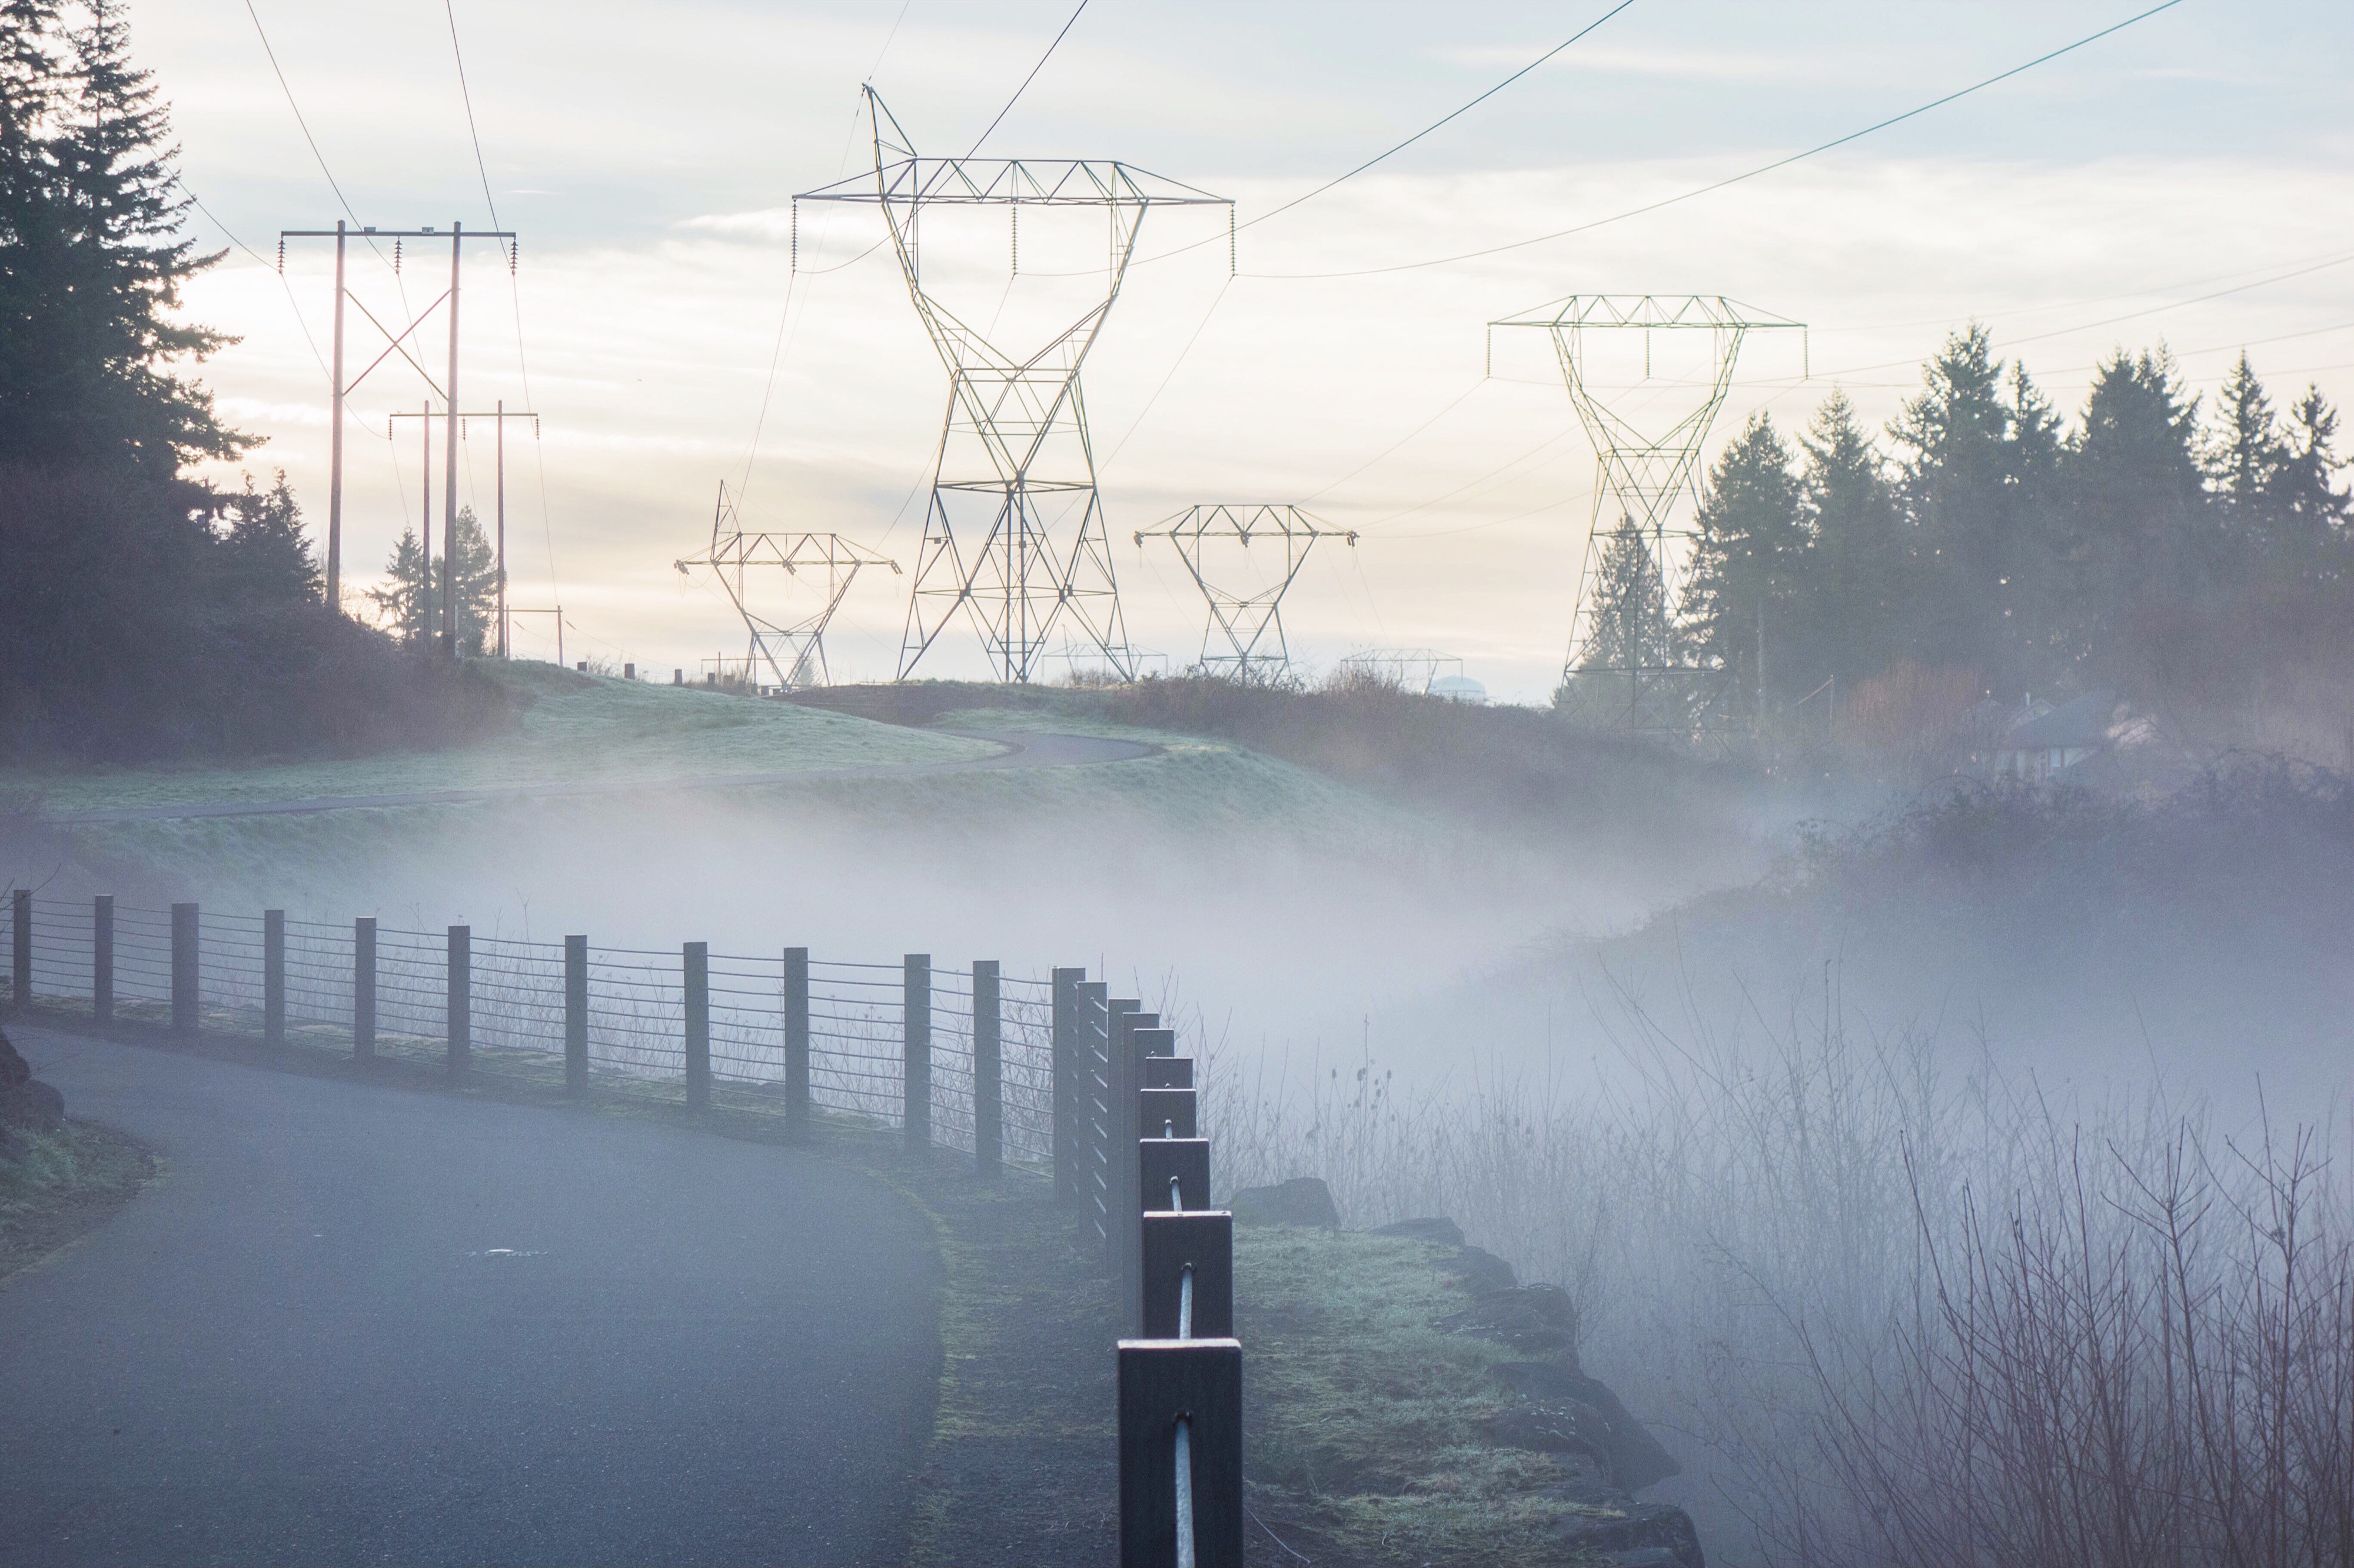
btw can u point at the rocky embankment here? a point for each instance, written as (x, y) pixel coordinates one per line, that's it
(1432, 1407)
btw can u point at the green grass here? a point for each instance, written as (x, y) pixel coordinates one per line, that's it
(573, 727)
(60, 1184)
(1365, 1423)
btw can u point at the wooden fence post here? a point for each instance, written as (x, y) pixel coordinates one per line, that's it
(273, 977)
(1095, 1105)
(1066, 1083)
(988, 1071)
(797, 1041)
(698, 1026)
(185, 931)
(461, 998)
(575, 1015)
(20, 950)
(1181, 1451)
(916, 1013)
(101, 959)
(364, 988)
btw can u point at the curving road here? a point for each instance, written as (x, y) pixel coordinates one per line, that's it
(1022, 750)
(359, 1325)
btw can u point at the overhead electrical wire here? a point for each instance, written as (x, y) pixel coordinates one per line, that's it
(1027, 80)
(1730, 180)
(1434, 125)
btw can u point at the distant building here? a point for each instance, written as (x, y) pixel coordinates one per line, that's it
(2080, 741)
(1457, 689)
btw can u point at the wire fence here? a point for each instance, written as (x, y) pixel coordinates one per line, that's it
(1053, 1075)
(845, 1036)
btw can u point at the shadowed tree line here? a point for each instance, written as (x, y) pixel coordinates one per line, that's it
(2205, 565)
(145, 613)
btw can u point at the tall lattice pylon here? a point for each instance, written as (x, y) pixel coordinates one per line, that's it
(1249, 624)
(1014, 535)
(794, 650)
(1631, 666)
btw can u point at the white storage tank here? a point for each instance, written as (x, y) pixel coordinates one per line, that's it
(1458, 689)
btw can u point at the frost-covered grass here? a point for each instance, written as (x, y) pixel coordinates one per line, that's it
(1364, 1420)
(572, 728)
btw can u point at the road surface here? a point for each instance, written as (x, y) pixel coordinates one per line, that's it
(355, 1324)
(1022, 750)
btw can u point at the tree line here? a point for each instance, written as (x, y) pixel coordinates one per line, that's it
(144, 611)
(2196, 562)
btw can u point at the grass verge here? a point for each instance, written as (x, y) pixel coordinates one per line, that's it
(61, 1185)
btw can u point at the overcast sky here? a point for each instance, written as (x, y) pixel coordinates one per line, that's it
(647, 156)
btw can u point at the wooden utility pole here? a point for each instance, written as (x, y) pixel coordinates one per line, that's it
(450, 466)
(341, 388)
(499, 414)
(335, 445)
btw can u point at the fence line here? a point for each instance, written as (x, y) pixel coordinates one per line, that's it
(1054, 1075)
(829, 1036)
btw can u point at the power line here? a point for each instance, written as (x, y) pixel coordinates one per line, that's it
(291, 303)
(514, 292)
(297, 108)
(1435, 124)
(1783, 163)
(1027, 80)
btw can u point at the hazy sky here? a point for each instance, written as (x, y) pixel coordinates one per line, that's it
(646, 154)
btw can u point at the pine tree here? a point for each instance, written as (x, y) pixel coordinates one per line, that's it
(1848, 619)
(410, 606)
(1631, 628)
(264, 555)
(93, 271)
(1972, 528)
(2313, 520)
(2141, 536)
(1750, 560)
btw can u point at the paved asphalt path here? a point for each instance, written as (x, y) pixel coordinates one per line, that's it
(1022, 750)
(305, 1346)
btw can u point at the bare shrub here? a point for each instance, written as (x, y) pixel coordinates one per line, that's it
(1887, 1312)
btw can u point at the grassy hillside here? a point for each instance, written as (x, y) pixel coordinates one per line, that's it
(572, 727)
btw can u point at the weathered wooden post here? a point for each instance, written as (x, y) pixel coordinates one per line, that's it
(20, 948)
(460, 999)
(1122, 1074)
(915, 1014)
(797, 1041)
(698, 1026)
(575, 1015)
(1183, 1160)
(273, 977)
(364, 988)
(1095, 1182)
(1180, 1452)
(102, 958)
(183, 968)
(1067, 1082)
(987, 1072)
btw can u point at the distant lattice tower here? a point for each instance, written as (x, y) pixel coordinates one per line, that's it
(792, 649)
(1245, 636)
(1629, 667)
(1014, 537)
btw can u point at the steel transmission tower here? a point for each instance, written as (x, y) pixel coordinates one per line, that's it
(1630, 666)
(1251, 623)
(794, 650)
(1014, 534)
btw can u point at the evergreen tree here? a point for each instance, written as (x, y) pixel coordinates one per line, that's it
(410, 606)
(90, 270)
(2141, 536)
(1976, 524)
(265, 556)
(2312, 519)
(1750, 561)
(1849, 617)
(1631, 628)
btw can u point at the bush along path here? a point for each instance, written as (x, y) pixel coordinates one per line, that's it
(1412, 1403)
(58, 1179)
